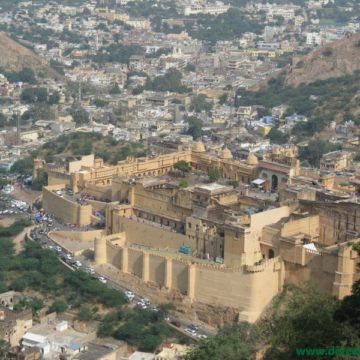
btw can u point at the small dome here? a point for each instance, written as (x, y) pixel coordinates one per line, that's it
(252, 159)
(226, 154)
(199, 147)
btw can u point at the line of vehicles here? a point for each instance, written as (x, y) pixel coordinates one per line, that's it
(64, 256)
(143, 303)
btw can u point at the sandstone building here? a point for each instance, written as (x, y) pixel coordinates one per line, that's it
(211, 243)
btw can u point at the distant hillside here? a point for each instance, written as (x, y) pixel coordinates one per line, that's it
(323, 85)
(336, 59)
(14, 57)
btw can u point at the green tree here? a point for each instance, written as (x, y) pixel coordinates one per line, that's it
(33, 95)
(80, 115)
(3, 120)
(183, 183)
(23, 166)
(105, 329)
(348, 311)
(27, 75)
(277, 137)
(233, 183)
(279, 20)
(54, 98)
(228, 26)
(315, 150)
(4, 348)
(85, 314)
(36, 304)
(183, 166)
(214, 174)
(117, 52)
(100, 103)
(306, 321)
(201, 103)
(190, 67)
(115, 90)
(171, 81)
(40, 181)
(237, 343)
(223, 98)
(194, 127)
(58, 306)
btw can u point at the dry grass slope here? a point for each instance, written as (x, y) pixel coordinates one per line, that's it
(14, 57)
(330, 61)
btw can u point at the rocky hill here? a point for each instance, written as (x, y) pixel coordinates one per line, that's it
(15, 57)
(323, 85)
(334, 60)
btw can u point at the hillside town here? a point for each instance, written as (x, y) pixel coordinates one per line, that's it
(175, 175)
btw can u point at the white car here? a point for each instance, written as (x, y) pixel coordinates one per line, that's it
(130, 295)
(78, 264)
(58, 248)
(202, 336)
(102, 279)
(191, 331)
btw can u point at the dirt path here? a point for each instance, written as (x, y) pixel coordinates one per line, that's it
(19, 239)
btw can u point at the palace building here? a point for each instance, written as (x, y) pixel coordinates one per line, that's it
(210, 243)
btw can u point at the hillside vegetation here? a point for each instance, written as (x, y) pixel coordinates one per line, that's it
(38, 271)
(107, 148)
(323, 85)
(322, 101)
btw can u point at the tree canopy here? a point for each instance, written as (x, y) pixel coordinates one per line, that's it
(194, 127)
(228, 26)
(25, 75)
(214, 174)
(299, 318)
(315, 150)
(201, 103)
(182, 166)
(80, 115)
(117, 53)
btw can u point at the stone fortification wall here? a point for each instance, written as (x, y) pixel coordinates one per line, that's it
(247, 289)
(99, 192)
(180, 276)
(157, 270)
(138, 232)
(135, 262)
(58, 178)
(68, 211)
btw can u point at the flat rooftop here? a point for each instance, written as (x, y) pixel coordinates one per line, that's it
(214, 188)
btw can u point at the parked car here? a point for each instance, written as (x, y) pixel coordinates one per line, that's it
(130, 295)
(191, 331)
(102, 279)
